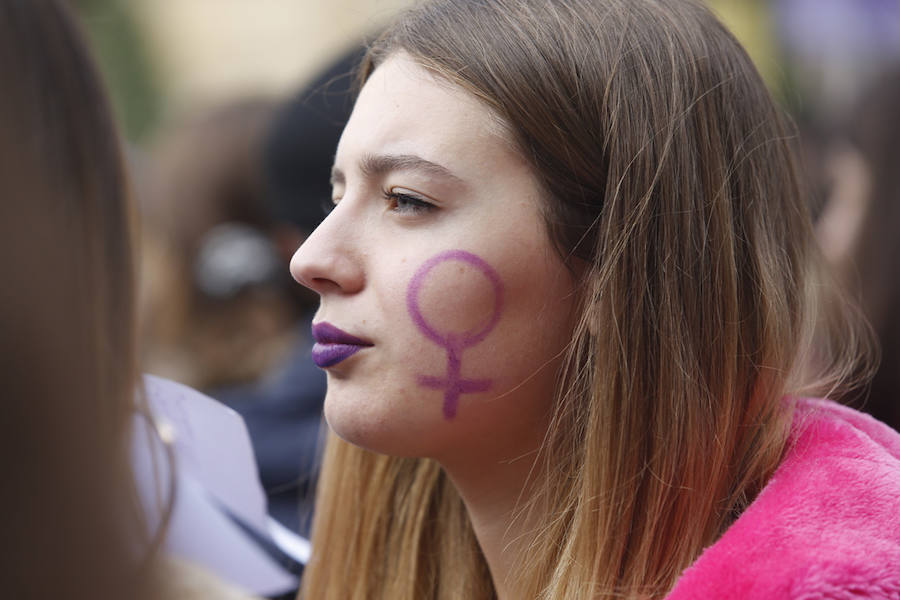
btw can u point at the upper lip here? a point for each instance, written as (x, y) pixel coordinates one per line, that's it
(326, 333)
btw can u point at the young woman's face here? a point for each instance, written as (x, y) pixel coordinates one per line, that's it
(444, 308)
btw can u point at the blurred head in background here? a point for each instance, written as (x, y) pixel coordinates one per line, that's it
(227, 196)
(216, 307)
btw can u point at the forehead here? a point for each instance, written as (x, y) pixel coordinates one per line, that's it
(405, 109)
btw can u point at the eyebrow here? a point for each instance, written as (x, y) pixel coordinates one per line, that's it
(374, 165)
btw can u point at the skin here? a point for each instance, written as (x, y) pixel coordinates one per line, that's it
(422, 169)
(453, 341)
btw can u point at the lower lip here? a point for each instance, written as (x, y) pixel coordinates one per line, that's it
(328, 355)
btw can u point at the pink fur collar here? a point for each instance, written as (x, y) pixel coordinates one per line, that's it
(826, 526)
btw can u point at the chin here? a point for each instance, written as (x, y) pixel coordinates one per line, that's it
(381, 427)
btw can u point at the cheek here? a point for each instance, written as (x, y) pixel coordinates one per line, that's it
(455, 298)
(471, 355)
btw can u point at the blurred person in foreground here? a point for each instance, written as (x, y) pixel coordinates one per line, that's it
(71, 520)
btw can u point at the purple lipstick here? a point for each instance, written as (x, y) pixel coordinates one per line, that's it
(334, 345)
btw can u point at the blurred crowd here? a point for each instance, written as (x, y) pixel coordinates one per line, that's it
(227, 195)
(227, 192)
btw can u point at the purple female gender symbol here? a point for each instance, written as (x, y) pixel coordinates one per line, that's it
(453, 384)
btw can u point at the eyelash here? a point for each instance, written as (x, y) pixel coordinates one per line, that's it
(407, 203)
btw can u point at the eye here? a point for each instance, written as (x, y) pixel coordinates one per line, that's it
(401, 201)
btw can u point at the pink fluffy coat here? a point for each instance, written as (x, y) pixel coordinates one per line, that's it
(826, 526)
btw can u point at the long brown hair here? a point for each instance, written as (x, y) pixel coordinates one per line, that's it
(671, 187)
(67, 306)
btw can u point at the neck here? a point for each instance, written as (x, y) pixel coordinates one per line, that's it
(493, 492)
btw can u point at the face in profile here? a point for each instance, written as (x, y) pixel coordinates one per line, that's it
(444, 309)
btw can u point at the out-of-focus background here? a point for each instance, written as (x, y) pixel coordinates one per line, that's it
(163, 57)
(230, 152)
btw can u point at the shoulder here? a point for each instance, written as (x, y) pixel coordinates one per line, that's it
(826, 526)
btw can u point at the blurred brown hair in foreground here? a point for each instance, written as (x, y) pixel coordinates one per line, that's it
(69, 516)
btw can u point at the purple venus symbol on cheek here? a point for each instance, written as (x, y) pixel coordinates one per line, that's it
(453, 384)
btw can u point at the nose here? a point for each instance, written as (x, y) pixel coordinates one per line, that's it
(329, 261)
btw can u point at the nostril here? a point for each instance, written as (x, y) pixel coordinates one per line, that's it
(322, 284)
(314, 279)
